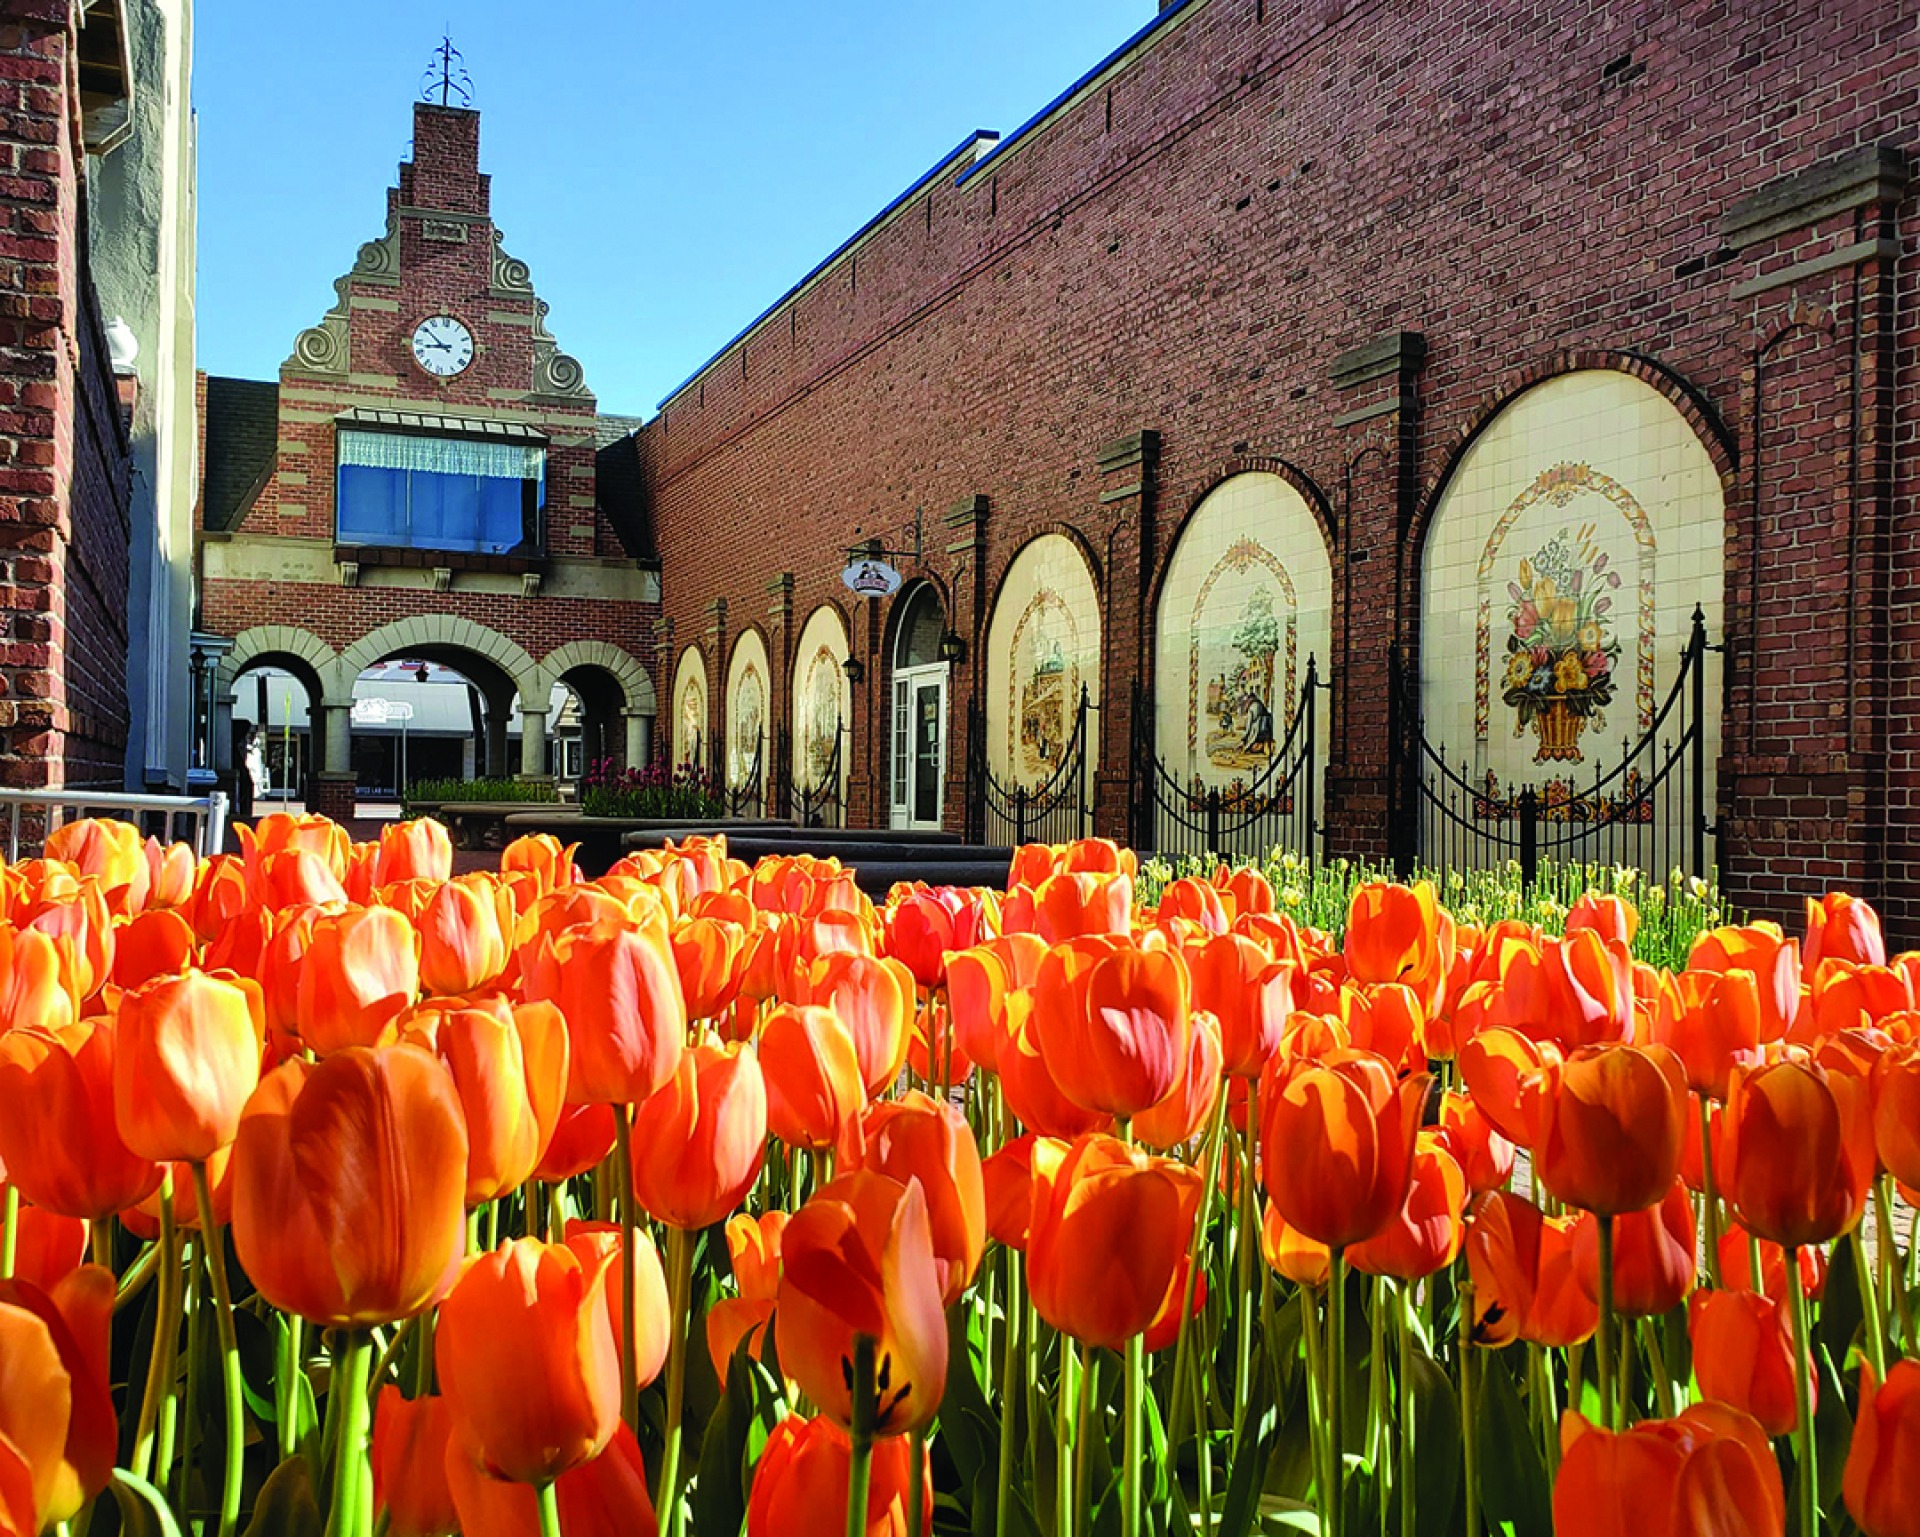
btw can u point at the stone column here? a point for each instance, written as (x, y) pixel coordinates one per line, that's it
(639, 734)
(533, 743)
(333, 780)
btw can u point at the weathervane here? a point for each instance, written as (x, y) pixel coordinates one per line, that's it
(447, 75)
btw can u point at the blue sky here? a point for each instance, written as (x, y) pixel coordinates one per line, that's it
(666, 170)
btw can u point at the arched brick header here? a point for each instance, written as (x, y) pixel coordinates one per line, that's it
(1316, 499)
(626, 670)
(421, 631)
(278, 642)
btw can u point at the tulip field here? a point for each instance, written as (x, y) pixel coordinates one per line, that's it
(346, 1196)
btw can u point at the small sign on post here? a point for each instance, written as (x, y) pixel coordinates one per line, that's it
(871, 578)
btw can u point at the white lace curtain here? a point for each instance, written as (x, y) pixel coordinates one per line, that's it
(442, 456)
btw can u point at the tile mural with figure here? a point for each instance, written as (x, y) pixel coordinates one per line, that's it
(1043, 648)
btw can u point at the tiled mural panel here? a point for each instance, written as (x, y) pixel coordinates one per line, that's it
(821, 697)
(690, 710)
(1560, 577)
(1043, 647)
(1246, 601)
(748, 710)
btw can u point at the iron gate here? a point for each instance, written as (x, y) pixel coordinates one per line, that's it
(745, 799)
(1648, 809)
(1057, 810)
(1278, 809)
(820, 804)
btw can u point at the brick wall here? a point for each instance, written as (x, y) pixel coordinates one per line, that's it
(1190, 246)
(63, 444)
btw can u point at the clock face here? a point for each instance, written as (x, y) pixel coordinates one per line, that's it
(442, 346)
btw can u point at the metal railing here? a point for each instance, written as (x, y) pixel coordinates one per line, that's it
(1056, 810)
(745, 799)
(1278, 809)
(1649, 809)
(821, 803)
(198, 820)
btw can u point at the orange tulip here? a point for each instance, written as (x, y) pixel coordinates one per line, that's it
(1652, 1256)
(699, 1141)
(38, 983)
(874, 999)
(1485, 1157)
(509, 1067)
(1881, 1484)
(417, 849)
(709, 954)
(465, 934)
(1719, 1027)
(800, 1483)
(143, 1221)
(1250, 994)
(606, 1497)
(543, 856)
(926, 923)
(186, 1056)
(1184, 1113)
(582, 1137)
(1337, 1144)
(57, 1430)
(158, 943)
(1772, 958)
(1195, 902)
(280, 831)
(1843, 927)
(1896, 1113)
(295, 878)
(1743, 1355)
(1797, 1151)
(59, 1140)
(1026, 1078)
(814, 1090)
(1608, 915)
(360, 970)
(527, 1361)
(349, 1186)
(1113, 1024)
(1504, 1071)
(753, 1250)
(1708, 1470)
(1611, 1124)
(858, 1263)
(978, 982)
(626, 1016)
(1290, 1253)
(1072, 904)
(1523, 1283)
(110, 852)
(1110, 1227)
(1736, 1265)
(172, 870)
(1006, 1181)
(1426, 1234)
(918, 1138)
(593, 1242)
(410, 1465)
(1399, 934)
(47, 1245)
(83, 921)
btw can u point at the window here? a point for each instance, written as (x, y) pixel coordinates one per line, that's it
(439, 493)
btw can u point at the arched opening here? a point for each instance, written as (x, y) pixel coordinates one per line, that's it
(1043, 658)
(274, 698)
(749, 709)
(586, 728)
(919, 727)
(822, 717)
(428, 718)
(691, 748)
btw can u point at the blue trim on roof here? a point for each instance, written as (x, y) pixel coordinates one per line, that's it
(1159, 21)
(838, 251)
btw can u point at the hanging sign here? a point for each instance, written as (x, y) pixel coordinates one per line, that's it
(872, 578)
(378, 712)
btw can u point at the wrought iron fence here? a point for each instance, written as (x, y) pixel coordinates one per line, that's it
(1278, 809)
(1056, 810)
(821, 803)
(1648, 809)
(747, 799)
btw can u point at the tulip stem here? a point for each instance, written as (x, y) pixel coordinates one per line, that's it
(1890, 1257)
(9, 1237)
(1377, 1384)
(1870, 1305)
(1063, 1442)
(1083, 1441)
(1609, 1403)
(1316, 1387)
(236, 1447)
(1131, 1435)
(623, 1184)
(917, 1480)
(350, 1469)
(1208, 1159)
(860, 1464)
(187, 1421)
(549, 1512)
(1469, 1430)
(1407, 1524)
(1710, 1196)
(166, 1330)
(1244, 1243)
(1803, 1399)
(679, 1283)
(1335, 1523)
(1010, 1378)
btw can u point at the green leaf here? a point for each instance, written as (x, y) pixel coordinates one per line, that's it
(1841, 1313)
(1832, 1430)
(143, 1513)
(1513, 1478)
(1436, 1447)
(968, 1424)
(1278, 1514)
(1021, 1521)
(286, 1506)
(1243, 1489)
(720, 1491)
(257, 1363)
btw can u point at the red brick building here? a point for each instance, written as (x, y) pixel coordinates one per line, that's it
(1336, 247)
(429, 478)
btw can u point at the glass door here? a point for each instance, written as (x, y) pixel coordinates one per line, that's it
(919, 746)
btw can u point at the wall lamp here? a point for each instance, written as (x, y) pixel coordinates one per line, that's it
(854, 669)
(953, 647)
